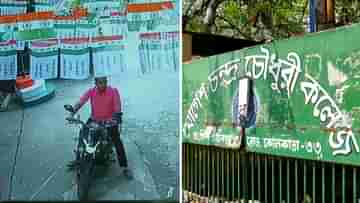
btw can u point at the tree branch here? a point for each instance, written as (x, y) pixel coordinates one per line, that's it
(234, 27)
(196, 8)
(304, 10)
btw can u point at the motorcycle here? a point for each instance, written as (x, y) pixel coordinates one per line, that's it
(94, 146)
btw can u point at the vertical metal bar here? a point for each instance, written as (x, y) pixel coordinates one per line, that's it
(200, 171)
(245, 177)
(252, 176)
(218, 174)
(266, 178)
(200, 174)
(213, 175)
(333, 183)
(208, 186)
(239, 175)
(185, 166)
(280, 167)
(343, 184)
(288, 180)
(313, 183)
(228, 175)
(183, 161)
(222, 173)
(233, 161)
(313, 16)
(296, 181)
(193, 160)
(191, 175)
(188, 166)
(220, 183)
(272, 181)
(354, 184)
(259, 177)
(196, 164)
(193, 168)
(204, 171)
(323, 183)
(305, 174)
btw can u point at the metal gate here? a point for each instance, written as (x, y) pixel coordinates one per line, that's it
(212, 174)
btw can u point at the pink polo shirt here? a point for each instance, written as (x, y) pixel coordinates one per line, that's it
(103, 104)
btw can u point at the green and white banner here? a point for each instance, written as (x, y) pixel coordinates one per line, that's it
(74, 60)
(44, 60)
(108, 56)
(306, 97)
(114, 25)
(75, 29)
(149, 20)
(159, 51)
(12, 7)
(8, 60)
(65, 29)
(102, 8)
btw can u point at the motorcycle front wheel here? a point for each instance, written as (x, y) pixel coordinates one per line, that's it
(84, 175)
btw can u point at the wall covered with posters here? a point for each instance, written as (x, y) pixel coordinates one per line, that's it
(60, 42)
(305, 99)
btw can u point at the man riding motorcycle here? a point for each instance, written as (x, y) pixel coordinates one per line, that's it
(105, 105)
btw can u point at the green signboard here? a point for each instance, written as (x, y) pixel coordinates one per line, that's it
(304, 98)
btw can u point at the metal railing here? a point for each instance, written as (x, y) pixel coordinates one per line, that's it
(212, 174)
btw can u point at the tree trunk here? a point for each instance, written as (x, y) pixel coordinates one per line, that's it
(330, 5)
(325, 14)
(210, 15)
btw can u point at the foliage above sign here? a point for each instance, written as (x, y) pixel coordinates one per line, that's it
(306, 92)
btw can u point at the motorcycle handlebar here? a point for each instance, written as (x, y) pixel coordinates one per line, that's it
(74, 120)
(104, 124)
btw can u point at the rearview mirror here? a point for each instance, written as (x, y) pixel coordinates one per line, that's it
(69, 108)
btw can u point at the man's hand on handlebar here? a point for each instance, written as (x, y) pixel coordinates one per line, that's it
(114, 122)
(117, 117)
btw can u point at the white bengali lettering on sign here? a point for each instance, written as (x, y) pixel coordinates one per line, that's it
(285, 144)
(253, 142)
(195, 106)
(224, 75)
(329, 113)
(291, 73)
(257, 62)
(342, 141)
(284, 72)
(324, 106)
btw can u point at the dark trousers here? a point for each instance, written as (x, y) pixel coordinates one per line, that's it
(119, 147)
(120, 150)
